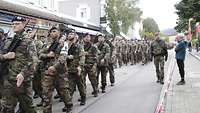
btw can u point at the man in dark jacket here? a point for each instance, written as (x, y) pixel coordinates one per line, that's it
(180, 57)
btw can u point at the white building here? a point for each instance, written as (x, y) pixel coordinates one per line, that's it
(83, 10)
(46, 4)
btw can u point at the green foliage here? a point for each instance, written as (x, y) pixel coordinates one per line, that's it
(164, 37)
(150, 25)
(124, 12)
(187, 9)
(147, 35)
(149, 28)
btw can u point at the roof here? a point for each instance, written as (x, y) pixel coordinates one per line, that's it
(13, 7)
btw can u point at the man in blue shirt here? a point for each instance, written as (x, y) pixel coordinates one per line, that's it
(180, 57)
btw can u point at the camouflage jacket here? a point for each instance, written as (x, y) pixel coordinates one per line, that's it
(104, 53)
(25, 55)
(91, 54)
(77, 51)
(158, 47)
(59, 61)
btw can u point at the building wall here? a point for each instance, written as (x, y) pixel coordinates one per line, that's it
(47, 4)
(89, 10)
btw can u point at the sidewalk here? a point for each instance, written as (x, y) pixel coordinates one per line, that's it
(186, 98)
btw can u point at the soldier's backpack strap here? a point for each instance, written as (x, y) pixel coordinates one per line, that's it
(14, 43)
(54, 47)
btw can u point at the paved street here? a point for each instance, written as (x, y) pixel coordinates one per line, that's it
(135, 91)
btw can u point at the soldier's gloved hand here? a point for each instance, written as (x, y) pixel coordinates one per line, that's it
(51, 54)
(20, 79)
(9, 55)
(70, 57)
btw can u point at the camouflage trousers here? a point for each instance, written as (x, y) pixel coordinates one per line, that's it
(91, 70)
(111, 72)
(125, 58)
(1, 86)
(119, 59)
(103, 70)
(77, 80)
(12, 95)
(37, 82)
(159, 62)
(48, 88)
(132, 58)
(144, 58)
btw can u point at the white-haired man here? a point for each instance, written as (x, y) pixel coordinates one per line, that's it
(180, 56)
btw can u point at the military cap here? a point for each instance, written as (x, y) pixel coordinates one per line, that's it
(18, 18)
(29, 29)
(100, 35)
(71, 31)
(86, 34)
(53, 28)
(1, 31)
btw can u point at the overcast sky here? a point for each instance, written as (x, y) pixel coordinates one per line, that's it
(162, 11)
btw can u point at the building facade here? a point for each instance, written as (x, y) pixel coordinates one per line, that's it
(46, 4)
(84, 10)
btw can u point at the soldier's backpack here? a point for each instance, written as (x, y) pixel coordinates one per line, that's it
(157, 48)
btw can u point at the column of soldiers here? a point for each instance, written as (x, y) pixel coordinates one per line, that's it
(61, 62)
(133, 52)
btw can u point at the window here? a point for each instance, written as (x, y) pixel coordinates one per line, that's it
(83, 12)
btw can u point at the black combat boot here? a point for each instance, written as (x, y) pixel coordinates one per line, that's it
(69, 108)
(83, 100)
(95, 93)
(103, 88)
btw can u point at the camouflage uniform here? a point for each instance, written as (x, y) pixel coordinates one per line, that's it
(118, 53)
(90, 66)
(133, 55)
(103, 63)
(3, 69)
(111, 60)
(37, 86)
(75, 76)
(158, 48)
(124, 53)
(144, 53)
(25, 54)
(59, 62)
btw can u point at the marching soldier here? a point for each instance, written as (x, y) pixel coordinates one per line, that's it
(160, 54)
(3, 70)
(90, 67)
(75, 62)
(111, 61)
(17, 81)
(118, 52)
(102, 61)
(54, 71)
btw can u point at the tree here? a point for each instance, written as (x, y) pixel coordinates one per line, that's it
(187, 9)
(122, 14)
(150, 25)
(149, 28)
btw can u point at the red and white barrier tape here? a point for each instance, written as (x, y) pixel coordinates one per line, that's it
(166, 86)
